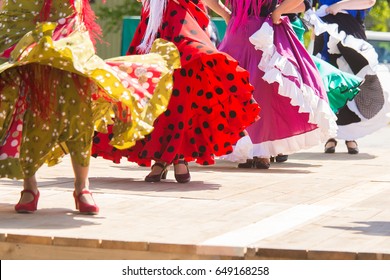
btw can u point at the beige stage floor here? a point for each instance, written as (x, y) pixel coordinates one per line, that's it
(314, 206)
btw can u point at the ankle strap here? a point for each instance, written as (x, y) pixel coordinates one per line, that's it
(29, 191)
(82, 192)
(182, 161)
(159, 164)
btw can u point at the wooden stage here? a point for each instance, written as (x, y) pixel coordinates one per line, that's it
(314, 206)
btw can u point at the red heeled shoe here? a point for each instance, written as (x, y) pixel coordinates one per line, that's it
(28, 207)
(183, 178)
(83, 207)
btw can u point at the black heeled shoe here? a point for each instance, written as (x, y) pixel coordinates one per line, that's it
(331, 149)
(158, 177)
(247, 164)
(183, 178)
(352, 150)
(261, 163)
(279, 158)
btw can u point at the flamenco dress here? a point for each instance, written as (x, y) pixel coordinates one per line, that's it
(340, 86)
(295, 112)
(211, 102)
(341, 40)
(55, 91)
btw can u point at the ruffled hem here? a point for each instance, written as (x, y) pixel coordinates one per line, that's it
(242, 151)
(130, 92)
(119, 80)
(162, 60)
(286, 146)
(341, 87)
(245, 149)
(367, 51)
(215, 117)
(368, 126)
(11, 169)
(278, 69)
(364, 48)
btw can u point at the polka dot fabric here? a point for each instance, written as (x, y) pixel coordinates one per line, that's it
(211, 102)
(55, 91)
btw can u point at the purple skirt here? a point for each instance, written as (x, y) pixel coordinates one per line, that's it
(295, 110)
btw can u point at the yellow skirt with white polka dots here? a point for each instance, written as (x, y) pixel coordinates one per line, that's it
(55, 93)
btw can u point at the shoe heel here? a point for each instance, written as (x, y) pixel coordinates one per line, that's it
(164, 174)
(281, 158)
(183, 178)
(248, 164)
(331, 149)
(28, 207)
(83, 207)
(157, 177)
(352, 151)
(260, 163)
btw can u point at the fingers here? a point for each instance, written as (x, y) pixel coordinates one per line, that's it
(276, 19)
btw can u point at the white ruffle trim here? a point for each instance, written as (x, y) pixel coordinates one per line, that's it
(245, 149)
(276, 67)
(361, 46)
(287, 146)
(242, 151)
(366, 126)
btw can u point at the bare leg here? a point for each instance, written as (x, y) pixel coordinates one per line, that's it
(81, 181)
(29, 184)
(181, 168)
(351, 144)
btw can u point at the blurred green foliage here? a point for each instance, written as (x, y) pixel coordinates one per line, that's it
(378, 18)
(112, 16)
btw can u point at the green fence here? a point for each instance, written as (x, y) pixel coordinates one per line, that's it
(130, 24)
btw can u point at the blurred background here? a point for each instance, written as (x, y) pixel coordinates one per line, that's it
(119, 18)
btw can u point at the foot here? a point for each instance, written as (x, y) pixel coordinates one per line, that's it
(85, 202)
(27, 197)
(157, 168)
(85, 197)
(330, 146)
(262, 163)
(352, 147)
(247, 164)
(30, 190)
(28, 202)
(182, 172)
(281, 158)
(180, 169)
(159, 171)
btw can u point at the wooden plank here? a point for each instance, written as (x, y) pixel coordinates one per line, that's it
(21, 251)
(29, 239)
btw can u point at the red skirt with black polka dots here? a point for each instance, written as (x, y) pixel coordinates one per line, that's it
(211, 102)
